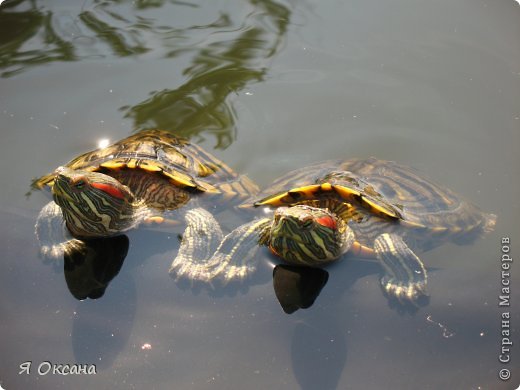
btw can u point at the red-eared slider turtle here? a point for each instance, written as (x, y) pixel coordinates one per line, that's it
(367, 207)
(140, 179)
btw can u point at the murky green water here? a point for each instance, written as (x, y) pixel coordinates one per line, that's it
(267, 86)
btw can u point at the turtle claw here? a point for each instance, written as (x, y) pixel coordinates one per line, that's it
(212, 272)
(57, 251)
(53, 236)
(191, 272)
(404, 293)
(236, 273)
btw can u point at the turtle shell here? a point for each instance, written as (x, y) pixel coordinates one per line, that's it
(152, 160)
(394, 198)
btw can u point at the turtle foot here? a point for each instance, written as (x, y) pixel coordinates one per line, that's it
(411, 292)
(211, 272)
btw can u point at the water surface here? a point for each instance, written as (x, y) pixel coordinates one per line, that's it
(267, 86)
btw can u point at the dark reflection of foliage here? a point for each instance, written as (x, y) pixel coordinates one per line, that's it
(219, 69)
(110, 35)
(33, 35)
(143, 4)
(200, 104)
(18, 28)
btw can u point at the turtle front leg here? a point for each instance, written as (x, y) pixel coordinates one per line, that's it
(53, 236)
(405, 275)
(207, 257)
(199, 241)
(234, 257)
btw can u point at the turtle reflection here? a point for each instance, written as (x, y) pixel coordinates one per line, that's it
(298, 287)
(90, 268)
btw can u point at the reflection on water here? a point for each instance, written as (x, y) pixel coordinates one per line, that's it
(29, 39)
(227, 53)
(218, 69)
(297, 287)
(101, 332)
(89, 269)
(318, 355)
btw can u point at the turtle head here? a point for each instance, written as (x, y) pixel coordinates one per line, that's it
(308, 235)
(93, 204)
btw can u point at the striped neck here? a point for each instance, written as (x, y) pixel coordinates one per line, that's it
(307, 235)
(94, 204)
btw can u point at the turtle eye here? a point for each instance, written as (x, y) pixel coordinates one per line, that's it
(80, 184)
(307, 223)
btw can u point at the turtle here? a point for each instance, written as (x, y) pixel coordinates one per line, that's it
(147, 178)
(368, 207)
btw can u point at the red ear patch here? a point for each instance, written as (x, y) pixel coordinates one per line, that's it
(327, 221)
(110, 190)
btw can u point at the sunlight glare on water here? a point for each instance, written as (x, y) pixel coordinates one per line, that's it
(103, 143)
